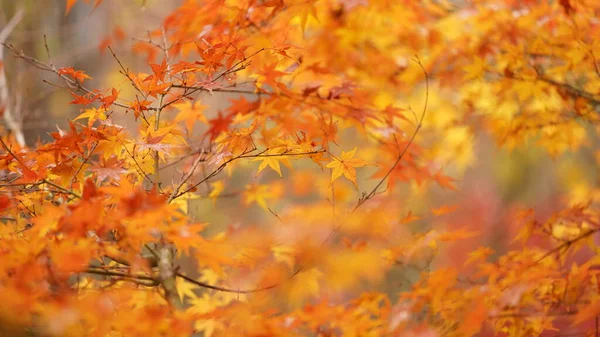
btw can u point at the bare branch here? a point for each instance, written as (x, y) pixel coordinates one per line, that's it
(12, 113)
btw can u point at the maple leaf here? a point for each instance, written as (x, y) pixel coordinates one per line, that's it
(259, 194)
(211, 58)
(159, 70)
(139, 107)
(110, 167)
(183, 67)
(163, 139)
(410, 218)
(92, 115)
(154, 89)
(285, 254)
(83, 99)
(242, 106)
(4, 202)
(78, 75)
(475, 69)
(329, 132)
(189, 113)
(89, 189)
(218, 125)
(185, 237)
(151, 84)
(217, 189)
(345, 165)
(587, 313)
(306, 284)
(474, 319)
(186, 289)
(479, 254)
(271, 160)
(345, 90)
(107, 101)
(269, 76)
(444, 181)
(444, 209)
(307, 10)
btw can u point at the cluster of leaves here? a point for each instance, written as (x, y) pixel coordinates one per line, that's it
(98, 221)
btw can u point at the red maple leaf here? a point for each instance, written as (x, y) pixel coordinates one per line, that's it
(218, 125)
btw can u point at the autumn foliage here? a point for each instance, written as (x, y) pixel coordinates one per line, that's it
(326, 198)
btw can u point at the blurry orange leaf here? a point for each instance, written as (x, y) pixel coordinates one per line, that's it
(588, 312)
(410, 218)
(304, 285)
(70, 4)
(189, 113)
(444, 209)
(444, 181)
(285, 254)
(458, 234)
(4, 202)
(479, 254)
(473, 320)
(89, 189)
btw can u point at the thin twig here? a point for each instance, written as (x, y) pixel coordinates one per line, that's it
(243, 155)
(125, 72)
(567, 244)
(370, 195)
(60, 188)
(185, 178)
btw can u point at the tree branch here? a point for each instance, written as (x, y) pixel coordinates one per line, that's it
(12, 114)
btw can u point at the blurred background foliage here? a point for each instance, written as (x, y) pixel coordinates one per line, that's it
(493, 182)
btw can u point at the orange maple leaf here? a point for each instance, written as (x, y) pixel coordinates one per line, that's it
(218, 125)
(78, 75)
(444, 181)
(189, 113)
(444, 209)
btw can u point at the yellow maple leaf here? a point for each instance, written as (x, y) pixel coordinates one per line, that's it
(475, 69)
(217, 188)
(271, 159)
(208, 326)
(304, 285)
(345, 165)
(189, 113)
(186, 289)
(258, 194)
(92, 115)
(285, 254)
(306, 11)
(209, 276)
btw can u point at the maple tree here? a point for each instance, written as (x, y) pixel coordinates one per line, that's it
(345, 120)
